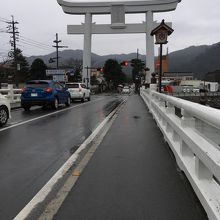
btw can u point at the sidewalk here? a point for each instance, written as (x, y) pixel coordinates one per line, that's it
(132, 176)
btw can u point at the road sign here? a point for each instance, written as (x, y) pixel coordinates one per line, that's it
(59, 78)
(55, 72)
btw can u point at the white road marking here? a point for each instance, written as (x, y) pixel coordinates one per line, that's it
(47, 115)
(54, 205)
(44, 192)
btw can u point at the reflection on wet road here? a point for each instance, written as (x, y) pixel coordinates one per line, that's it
(39, 143)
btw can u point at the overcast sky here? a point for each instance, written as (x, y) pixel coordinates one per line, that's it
(195, 22)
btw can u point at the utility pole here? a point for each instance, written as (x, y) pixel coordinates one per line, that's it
(12, 29)
(57, 47)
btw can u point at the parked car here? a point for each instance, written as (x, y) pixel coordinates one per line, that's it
(78, 91)
(126, 90)
(5, 110)
(196, 90)
(44, 93)
(187, 89)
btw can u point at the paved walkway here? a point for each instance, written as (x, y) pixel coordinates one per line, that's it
(132, 176)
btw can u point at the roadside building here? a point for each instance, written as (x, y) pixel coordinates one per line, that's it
(213, 76)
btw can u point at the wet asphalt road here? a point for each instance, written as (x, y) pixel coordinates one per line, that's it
(32, 152)
(132, 176)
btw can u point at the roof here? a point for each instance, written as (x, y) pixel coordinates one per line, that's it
(39, 80)
(160, 26)
(178, 74)
(96, 7)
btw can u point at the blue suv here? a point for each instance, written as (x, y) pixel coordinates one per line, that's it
(44, 93)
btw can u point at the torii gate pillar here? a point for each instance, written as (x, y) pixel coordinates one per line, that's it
(87, 49)
(149, 45)
(117, 9)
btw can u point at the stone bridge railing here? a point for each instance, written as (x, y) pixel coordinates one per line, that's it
(193, 134)
(12, 94)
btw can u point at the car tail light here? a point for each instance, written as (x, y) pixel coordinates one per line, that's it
(48, 90)
(23, 90)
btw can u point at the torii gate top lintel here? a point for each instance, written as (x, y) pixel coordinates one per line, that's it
(118, 25)
(129, 6)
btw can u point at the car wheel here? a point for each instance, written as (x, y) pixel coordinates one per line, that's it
(55, 103)
(89, 98)
(3, 115)
(83, 98)
(68, 101)
(26, 108)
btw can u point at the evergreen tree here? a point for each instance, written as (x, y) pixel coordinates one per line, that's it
(20, 71)
(113, 73)
(38, 69)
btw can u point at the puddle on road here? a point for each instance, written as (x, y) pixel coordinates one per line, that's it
(136, 117)
(108, 108)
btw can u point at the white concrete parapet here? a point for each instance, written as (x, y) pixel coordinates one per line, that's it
(193, 134)
(12, 94)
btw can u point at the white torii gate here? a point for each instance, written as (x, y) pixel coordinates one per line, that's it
(118, 25)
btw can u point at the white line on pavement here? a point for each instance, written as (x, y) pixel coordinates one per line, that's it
(44, 192)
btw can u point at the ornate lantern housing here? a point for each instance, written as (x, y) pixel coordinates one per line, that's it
(161, 33)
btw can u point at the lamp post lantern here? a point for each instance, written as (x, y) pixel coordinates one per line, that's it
(161, 33)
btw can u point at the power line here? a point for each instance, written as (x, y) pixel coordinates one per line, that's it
(29, 40)
(3, 30)
(4, 20)
(33, 45)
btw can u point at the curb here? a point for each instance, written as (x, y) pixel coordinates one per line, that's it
(43, 194)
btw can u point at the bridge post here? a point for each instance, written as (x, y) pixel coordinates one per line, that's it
(187, 120)
(176, 137)
(170, 109)
(87, 48)
(202, 171)
(149, 45)
(11, 93)
(186, 152)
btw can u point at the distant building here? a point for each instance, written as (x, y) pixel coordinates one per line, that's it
(165, 64)
(192, 83)
(213, 76)
(179, 75)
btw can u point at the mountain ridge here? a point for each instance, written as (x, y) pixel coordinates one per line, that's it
(197, 59)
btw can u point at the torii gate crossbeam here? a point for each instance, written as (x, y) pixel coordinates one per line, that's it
(118, 25)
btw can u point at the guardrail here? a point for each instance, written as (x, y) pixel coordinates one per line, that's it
(193, 134)
(12, 94)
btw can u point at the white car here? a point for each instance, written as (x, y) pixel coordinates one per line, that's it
(78, 91)
(196, 90)
(126, 90)
(5, 110)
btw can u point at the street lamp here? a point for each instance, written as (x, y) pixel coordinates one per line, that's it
(161, 33)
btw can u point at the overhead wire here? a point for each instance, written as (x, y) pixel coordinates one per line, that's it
(4, 19)
(25, 41)
(34, 41)
(34, 45)
(2, 30)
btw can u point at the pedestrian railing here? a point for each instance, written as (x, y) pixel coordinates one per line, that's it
(12, 94)
(193, 134)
